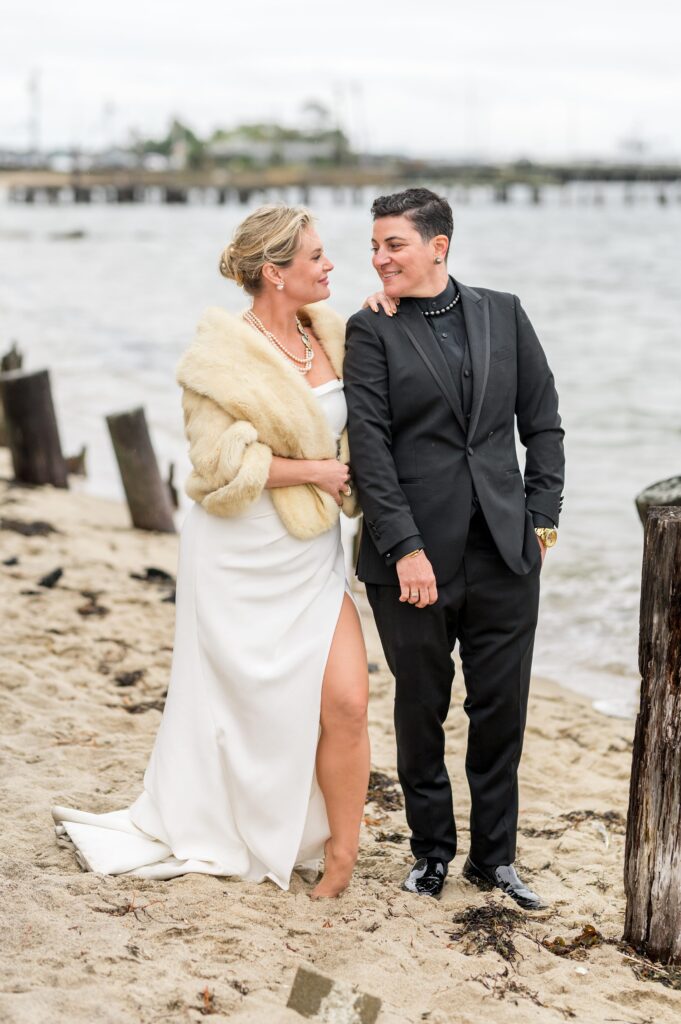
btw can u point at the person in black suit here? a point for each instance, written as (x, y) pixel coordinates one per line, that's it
(454, 535)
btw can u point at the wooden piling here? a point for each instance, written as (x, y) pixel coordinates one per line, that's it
(664, 492)
(32, 431)
(652, 864)
(172, 489)
(76, 464)
(12, 360)
(175, 196)
(147, 495)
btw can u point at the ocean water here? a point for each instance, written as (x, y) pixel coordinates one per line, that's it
(110, 312)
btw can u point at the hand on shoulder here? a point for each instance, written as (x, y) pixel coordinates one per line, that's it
(379, 300)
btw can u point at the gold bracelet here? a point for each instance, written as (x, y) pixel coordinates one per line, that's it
(412, 554)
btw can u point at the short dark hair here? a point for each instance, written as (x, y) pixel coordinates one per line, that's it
(430, 214)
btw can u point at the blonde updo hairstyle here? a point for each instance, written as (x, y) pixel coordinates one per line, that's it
(271, 234)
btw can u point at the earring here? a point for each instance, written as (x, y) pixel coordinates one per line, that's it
(438, 259)
(280, 286)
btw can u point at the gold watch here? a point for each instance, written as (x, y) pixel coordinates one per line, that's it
(548, 535)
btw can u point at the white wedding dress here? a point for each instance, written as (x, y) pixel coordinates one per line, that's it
(230, 788)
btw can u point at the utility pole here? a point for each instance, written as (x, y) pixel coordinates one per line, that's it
(108, 116)
(34, 115)
(361, 129)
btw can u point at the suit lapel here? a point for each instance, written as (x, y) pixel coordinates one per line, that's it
(412, 322)
(476, 314)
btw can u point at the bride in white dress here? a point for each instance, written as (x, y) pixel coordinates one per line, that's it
(261, 760)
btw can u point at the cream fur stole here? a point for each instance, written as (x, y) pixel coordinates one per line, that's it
(244, 403)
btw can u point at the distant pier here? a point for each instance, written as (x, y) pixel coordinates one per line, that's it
(220, 186)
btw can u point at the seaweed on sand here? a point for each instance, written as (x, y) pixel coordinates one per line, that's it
(35, 529)
(612, 820)
(503, 984)
(383, 792)
(390, 837)
(643, 967)
(575, 948)
(490, 927)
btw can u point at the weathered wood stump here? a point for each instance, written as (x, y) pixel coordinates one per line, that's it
(664, 492)
(172, 489)
(12, 360)
(76, 464)
(325, 1000)
(31, 426)
(652, 871)
(147, 495)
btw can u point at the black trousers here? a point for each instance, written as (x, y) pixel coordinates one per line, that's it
(492, 612)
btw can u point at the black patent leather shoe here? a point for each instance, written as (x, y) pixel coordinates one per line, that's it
(504, 877)
(426, 877)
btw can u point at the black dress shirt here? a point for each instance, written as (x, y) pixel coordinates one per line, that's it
(450, 333)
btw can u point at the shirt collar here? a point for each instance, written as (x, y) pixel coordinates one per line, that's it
(438, 301)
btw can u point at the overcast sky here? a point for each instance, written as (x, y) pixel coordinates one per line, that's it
(493, 78)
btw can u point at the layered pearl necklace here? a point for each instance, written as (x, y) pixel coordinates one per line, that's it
(303, 365)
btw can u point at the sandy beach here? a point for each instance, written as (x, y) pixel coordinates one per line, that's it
(83, 669)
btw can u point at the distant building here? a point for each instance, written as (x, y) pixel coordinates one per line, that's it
(65, 161)
(115, 157)
(262, 145)
(246, 146)
(20, 159)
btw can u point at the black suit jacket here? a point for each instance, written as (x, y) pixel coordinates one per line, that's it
(416, 458)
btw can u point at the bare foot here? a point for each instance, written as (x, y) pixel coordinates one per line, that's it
(338, 867)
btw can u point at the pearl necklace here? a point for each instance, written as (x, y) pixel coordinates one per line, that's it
(303, 365)
(445, 309)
